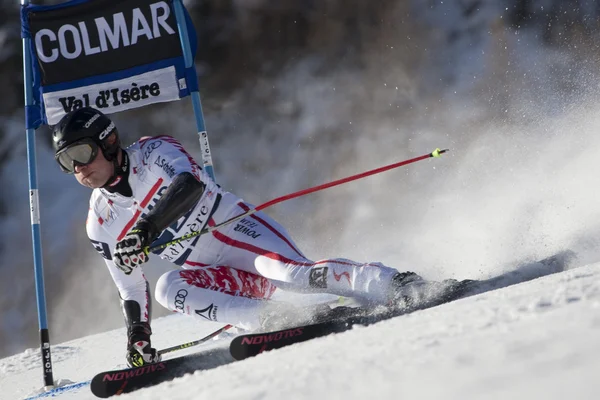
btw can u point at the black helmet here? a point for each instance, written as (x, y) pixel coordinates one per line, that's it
(85, 125)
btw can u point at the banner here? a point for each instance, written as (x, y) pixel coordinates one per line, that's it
(113, 55)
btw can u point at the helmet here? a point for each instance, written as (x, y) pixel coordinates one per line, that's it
(85, 125)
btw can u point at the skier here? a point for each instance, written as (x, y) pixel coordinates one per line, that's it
(152, 192)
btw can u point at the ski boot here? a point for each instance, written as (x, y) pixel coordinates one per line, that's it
(411, 292)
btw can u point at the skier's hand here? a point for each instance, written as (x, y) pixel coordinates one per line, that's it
(131, 251)
(139, 349)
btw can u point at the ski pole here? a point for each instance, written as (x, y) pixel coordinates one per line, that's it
(194, 342)
(435, 153)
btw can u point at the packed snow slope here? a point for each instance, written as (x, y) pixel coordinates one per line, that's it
(534, 340)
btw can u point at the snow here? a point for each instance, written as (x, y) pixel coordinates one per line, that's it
(538, 339)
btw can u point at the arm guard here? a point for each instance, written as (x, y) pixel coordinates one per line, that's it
(183, 194)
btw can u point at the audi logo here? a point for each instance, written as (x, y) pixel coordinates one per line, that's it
(180, 299)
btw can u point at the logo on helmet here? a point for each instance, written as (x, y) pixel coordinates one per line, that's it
(107, 131)
(91, 121)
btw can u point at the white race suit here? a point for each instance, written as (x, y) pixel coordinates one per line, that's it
(225, 275)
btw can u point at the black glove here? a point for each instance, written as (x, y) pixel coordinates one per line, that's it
(131, 251)
(139, 348)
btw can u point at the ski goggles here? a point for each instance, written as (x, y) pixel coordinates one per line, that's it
(79, 153)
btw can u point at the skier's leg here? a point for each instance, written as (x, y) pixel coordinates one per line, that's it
(223, 294)
(260, 245)
(368, 281)
(218, 293)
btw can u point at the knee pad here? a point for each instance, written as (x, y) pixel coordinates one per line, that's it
(271, 268)
(163, 284)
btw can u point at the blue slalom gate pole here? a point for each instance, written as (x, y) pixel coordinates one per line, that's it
(189, 62)
(34, 204)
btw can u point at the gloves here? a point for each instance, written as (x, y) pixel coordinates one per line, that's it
(139, 349)
(130, 251)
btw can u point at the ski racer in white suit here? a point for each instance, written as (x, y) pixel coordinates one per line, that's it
(153, 192)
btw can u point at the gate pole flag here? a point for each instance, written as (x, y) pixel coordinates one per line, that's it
(113, 55)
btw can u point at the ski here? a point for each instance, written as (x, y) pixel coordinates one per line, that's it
(119, 381)
(115, 382)
(252, 344)
(341, 319)
(344, 318)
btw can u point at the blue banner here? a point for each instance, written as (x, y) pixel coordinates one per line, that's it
(112, 55)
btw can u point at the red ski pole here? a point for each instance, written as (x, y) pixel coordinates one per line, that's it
(435, 153)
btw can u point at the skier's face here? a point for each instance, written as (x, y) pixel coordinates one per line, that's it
(95, 174)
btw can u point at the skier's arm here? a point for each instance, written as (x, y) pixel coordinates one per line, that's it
(132, 287)
(134, 294)
(170, 162)
(166, 161)
(182, 194)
